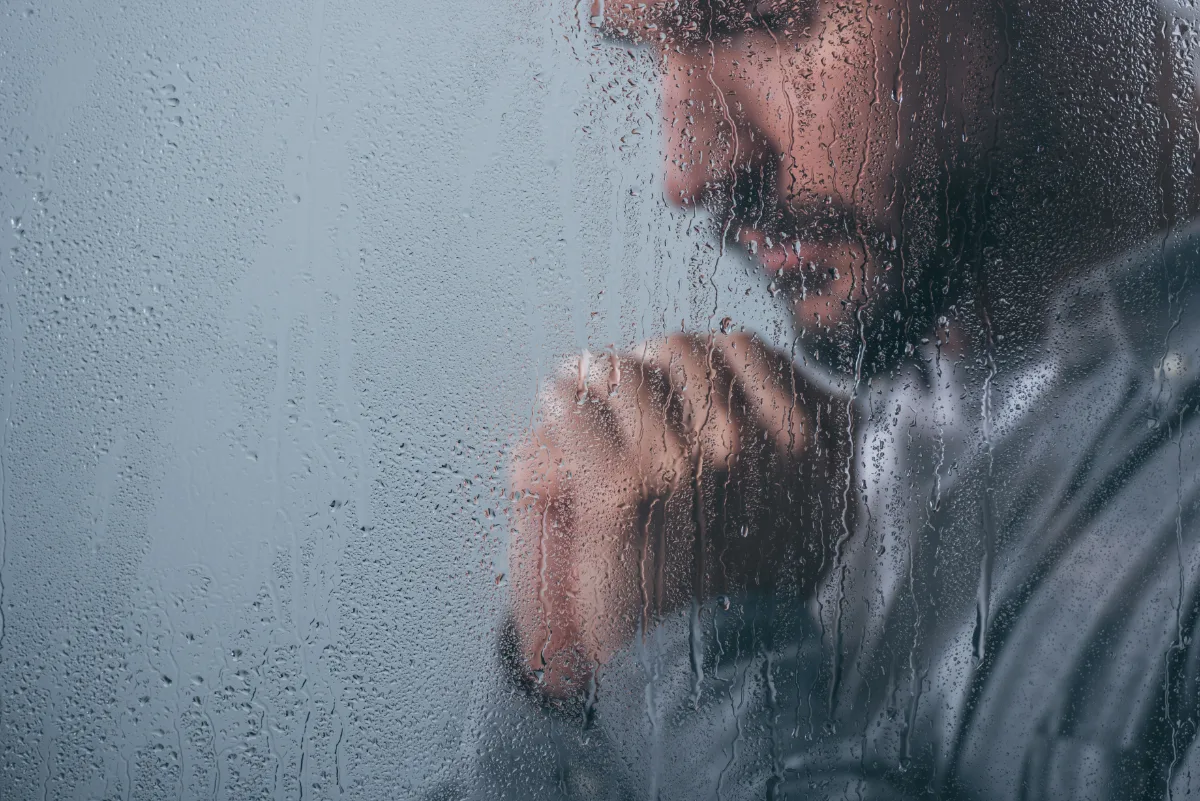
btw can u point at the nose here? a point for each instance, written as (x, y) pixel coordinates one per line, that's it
(721, 112)
(713, 93)
(699, 141)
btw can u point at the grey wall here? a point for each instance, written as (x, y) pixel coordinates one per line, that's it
(278, 283)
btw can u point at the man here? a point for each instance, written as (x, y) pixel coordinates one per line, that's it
(946, 546)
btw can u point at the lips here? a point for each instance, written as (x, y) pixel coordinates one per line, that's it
(788, 254)
(782, 235)
(772, 254)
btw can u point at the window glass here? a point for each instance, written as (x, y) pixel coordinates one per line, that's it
(599, 400)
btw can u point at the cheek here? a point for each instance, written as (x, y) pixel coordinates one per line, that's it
(696, 141)
(828, 114)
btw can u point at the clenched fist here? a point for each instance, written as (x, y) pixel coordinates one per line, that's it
(694, 467)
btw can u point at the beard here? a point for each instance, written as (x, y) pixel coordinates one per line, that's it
(899, 284)
(994, 204)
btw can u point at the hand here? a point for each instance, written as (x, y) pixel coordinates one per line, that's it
(682, 471)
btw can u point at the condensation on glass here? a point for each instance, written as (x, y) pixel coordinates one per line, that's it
(672, 399)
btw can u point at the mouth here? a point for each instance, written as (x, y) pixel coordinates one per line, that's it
(811, 245)
(773, 254)
(810, 242)
(778, 234)
(789, 254)
(820, 253)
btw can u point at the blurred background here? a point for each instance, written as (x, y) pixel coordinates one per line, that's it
(278, 287)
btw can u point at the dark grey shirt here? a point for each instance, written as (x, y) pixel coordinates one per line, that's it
(1013, 616)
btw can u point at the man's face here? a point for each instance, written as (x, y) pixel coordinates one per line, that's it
(788, 119)
(852, 145)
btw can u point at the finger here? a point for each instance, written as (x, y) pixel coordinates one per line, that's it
(578, 500)
(768, 383)
(700, 382)
(640, 401)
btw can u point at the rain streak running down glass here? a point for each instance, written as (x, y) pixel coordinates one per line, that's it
(562, 400)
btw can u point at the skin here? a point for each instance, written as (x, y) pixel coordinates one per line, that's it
(607, 491)
(701, 465)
